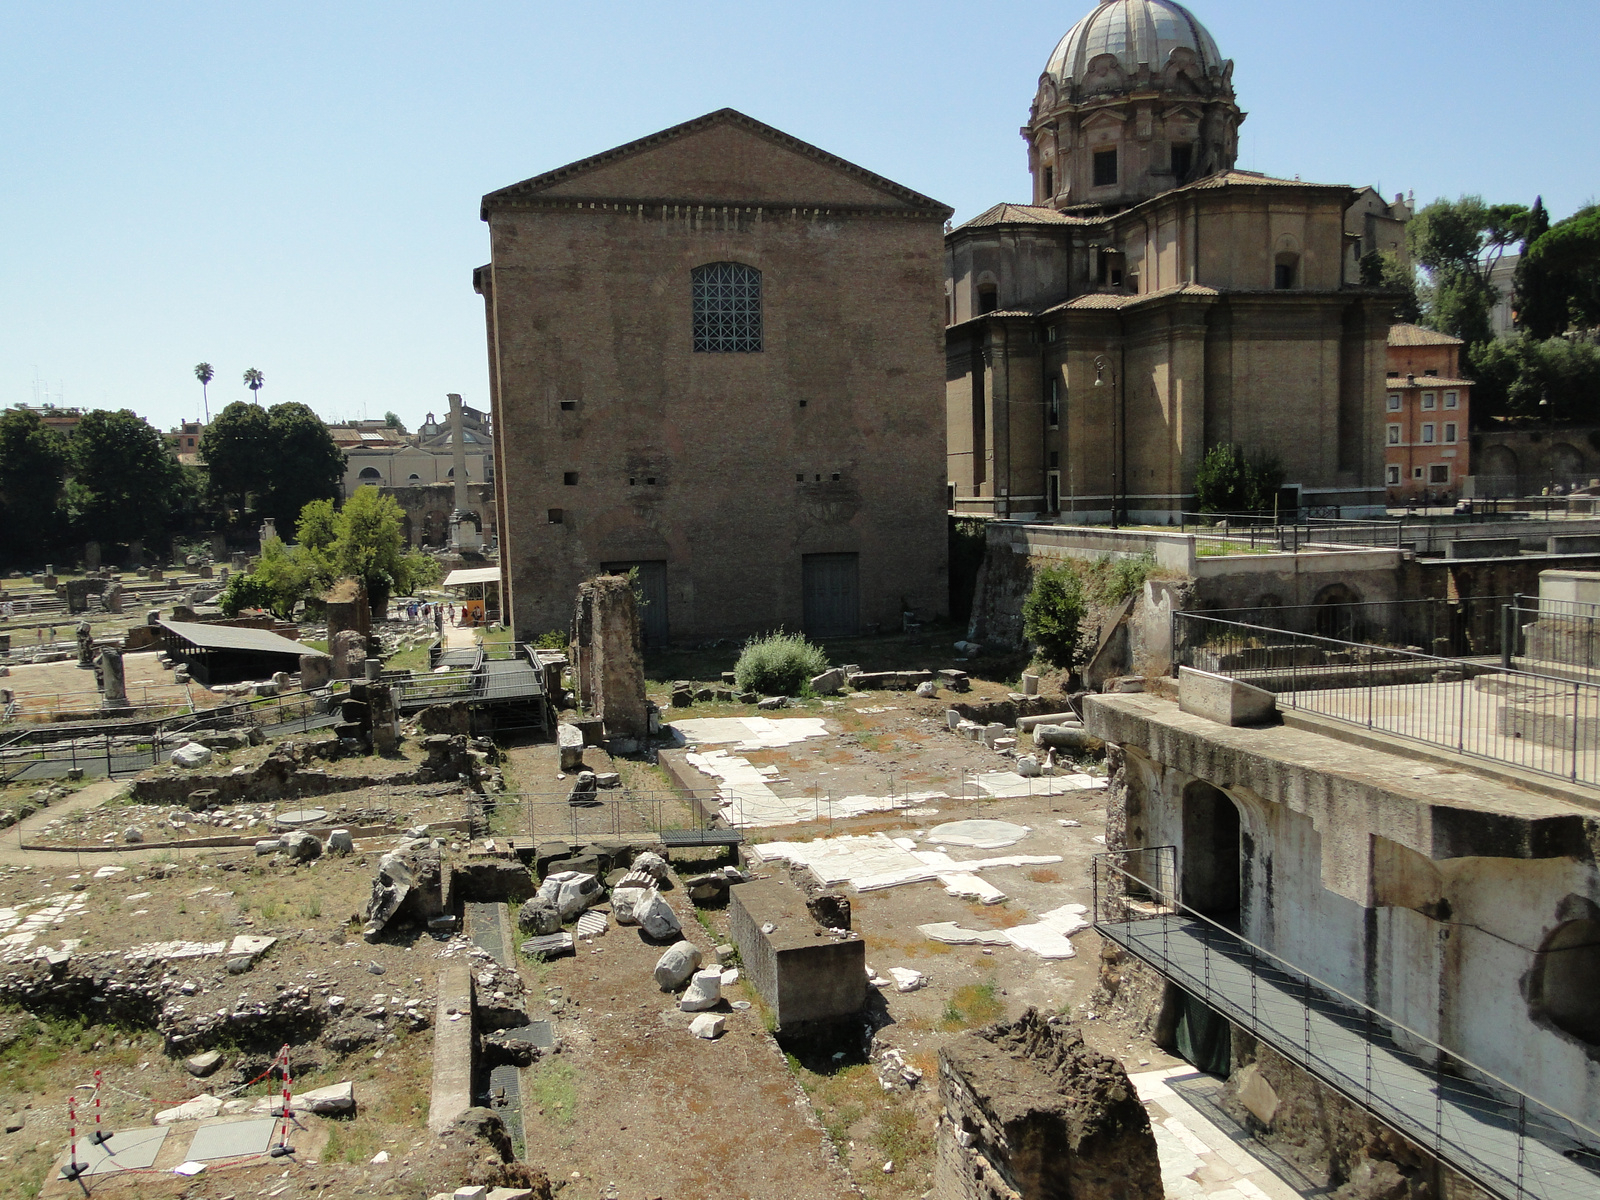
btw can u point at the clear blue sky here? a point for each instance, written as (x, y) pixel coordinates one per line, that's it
(295, 187)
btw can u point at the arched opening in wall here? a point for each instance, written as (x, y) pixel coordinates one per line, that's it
(1498, 472)
(413, 478)
(1566, 979)
(1336, 611)
(1286, 270)
(371, 474)
(1211, 855)
(1566, 465)
(988, 298)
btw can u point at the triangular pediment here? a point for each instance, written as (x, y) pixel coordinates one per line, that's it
(724, 157)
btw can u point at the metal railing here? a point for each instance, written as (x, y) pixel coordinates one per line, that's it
(1553, 637)
(1425, 535)
(1537, 722)
(1460, 627)
(126, 748)
(1479, 1124)
(608, 813)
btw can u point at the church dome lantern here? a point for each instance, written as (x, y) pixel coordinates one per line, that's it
(1136, 99)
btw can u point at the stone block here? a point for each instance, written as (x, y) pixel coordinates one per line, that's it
(677, 963)
(1226, 701)
(829, 682)
(802, 976)
(1256, 1094)
(570, 740)
(708, 1026)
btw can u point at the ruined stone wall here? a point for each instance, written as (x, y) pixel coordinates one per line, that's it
(1031, 1113)
(1337, 1144)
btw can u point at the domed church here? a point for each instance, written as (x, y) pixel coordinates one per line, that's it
(1151, 300)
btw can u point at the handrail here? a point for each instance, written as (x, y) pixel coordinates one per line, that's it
(1176, 906)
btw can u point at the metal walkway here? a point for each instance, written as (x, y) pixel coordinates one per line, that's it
(1514, 1148)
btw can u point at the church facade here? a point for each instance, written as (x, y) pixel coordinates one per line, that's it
(1152, 301)
(714, 358)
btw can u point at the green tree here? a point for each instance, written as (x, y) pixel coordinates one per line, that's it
(126, 480)
(1386, 269)
(254, 379)
(1565, 260)
(393, 421)
(1053, 612)
(1229, 482)
(318, 526)
(1458, 243)
(1514, 374)
(303, 463)
(237, 449)
(33, 467)
(205, 375)
(370, 545)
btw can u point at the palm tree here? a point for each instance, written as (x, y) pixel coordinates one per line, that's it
(253, 379)
(205, 375)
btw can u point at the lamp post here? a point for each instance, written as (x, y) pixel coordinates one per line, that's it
(1102, 369)
(1549, 447)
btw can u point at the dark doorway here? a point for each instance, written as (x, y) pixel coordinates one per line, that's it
(653, 597)
(831, 597)
(1211, 854)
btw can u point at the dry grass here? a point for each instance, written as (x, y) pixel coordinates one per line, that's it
(1044, 875)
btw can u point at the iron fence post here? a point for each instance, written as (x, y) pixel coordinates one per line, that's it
(1522, 1137)
(1575, 696)
(1507, 625)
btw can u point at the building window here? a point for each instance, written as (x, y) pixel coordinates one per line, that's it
(1452, 400)
(1430, 400)
(569, 478)
(1052, 333)
(1182, 160)
(369, 473)
(1394, 435)
(1427, 435)
(1394, 401)
(1105, 168)
(1284, 271)
(1052, 403)
(1450, 433)
(727, 308)
(413, 478)
(1049, 182)
(988, 298)
(1392, 475)
(1416, 472)
(1439, 473)
(554, 516)
(569, 405)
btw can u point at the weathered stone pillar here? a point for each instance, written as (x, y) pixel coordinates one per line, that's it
(113, 680)
(112, 597)
(347, 609)
(609, 661)
(349, 649)
(85, 646)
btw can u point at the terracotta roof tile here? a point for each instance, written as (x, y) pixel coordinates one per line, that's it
(1416, 335)
(1023, 214)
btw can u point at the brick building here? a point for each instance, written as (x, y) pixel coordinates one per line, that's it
(1426, 417)
(1152, 301)
(714, 355)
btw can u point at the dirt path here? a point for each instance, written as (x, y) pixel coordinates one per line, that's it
(636, 1107)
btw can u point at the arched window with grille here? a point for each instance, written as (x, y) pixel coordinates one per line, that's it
(727, 308)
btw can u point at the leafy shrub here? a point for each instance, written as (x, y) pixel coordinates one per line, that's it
(1127, 577)
(780, 664)
(1052, 612)
(555, 639)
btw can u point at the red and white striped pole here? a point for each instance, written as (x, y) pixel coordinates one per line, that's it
(101, 1137)
(283, 1148)
(74, 1168)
